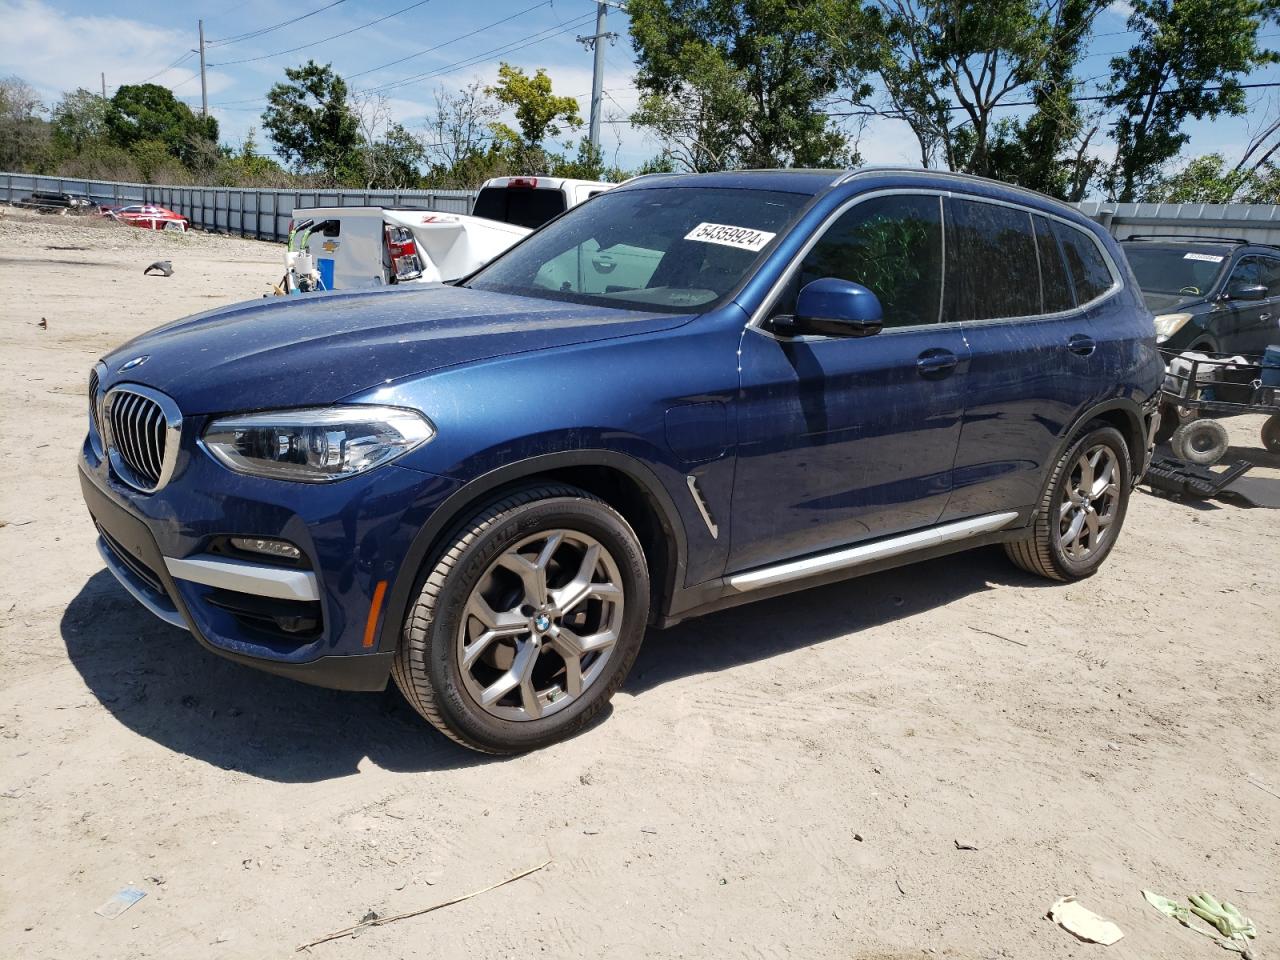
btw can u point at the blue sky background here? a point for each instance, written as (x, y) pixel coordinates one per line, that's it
(58, 45)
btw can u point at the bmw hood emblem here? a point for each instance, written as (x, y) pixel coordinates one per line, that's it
(135, 362)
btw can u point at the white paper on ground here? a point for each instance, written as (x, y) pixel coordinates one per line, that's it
(1083, 923)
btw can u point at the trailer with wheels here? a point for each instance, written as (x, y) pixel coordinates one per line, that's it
(1201, 389)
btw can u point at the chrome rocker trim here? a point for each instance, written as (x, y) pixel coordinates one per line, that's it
(866, 553)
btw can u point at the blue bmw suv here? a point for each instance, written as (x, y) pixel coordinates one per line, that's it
(687, 393)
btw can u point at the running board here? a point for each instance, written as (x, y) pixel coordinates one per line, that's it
(866, 553)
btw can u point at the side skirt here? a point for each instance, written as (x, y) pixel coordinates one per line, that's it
(791, 576)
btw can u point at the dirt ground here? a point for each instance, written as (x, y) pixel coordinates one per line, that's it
(789, 779)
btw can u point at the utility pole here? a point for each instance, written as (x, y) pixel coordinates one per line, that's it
(204, 87)
(103, 75)
(596, 43)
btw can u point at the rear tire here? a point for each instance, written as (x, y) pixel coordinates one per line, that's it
(527, 622)
(1203, 442)
(1082, 508)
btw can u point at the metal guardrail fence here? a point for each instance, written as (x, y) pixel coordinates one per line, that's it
(262, 214)
(1255, 222)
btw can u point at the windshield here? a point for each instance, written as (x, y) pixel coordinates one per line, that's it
(671, 249)
(1174, 270)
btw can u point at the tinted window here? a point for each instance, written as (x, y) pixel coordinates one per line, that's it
(890, 245)
(1055, 284)
(991, 262)
(1089, 274)
(1271, 276)
(665, 248)
(1173, 269)
(1248, 273)
(523, 206)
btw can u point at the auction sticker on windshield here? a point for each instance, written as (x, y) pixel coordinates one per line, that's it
(744, 238)
(1206, 257)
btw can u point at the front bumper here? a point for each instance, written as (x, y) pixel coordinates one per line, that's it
(354, 535)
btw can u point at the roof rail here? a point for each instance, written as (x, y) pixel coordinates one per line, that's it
(1193, 236)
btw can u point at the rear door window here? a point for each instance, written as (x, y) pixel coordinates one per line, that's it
(891, 245)
(1090, 275)
(992, 267)
(1271, 276)
(1055, 282)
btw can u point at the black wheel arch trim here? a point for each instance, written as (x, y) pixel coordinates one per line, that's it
(1136, 436)
(453, 511)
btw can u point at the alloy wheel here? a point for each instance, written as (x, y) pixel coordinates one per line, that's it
(1089, 502)
(540, 625)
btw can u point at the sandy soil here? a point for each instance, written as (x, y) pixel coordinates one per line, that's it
(789, 779)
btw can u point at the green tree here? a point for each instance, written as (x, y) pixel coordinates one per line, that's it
(1207, 179)
(79, 118)
(149, 114)
(730, 83)
(539, 112)
(948, 65)
(393, 160)
(311, 123)
(24, 133)
(1187, 61)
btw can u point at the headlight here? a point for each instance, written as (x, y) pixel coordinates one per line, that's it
(1167, 324)
(315, 445)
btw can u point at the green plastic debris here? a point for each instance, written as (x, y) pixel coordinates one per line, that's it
(1233, 929)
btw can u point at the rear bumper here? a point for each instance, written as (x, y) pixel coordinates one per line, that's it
(157, 551)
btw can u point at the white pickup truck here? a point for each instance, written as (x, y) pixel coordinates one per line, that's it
(346, 248)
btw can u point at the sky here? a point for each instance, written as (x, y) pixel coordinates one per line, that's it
(58, 45)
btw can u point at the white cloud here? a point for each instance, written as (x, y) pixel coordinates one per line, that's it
(56, 51)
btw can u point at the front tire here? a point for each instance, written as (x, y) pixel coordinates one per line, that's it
(1082, 508)
(528, 621)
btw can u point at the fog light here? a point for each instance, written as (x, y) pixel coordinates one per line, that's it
(272, 548)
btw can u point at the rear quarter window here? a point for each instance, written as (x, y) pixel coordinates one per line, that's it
(1090, 275)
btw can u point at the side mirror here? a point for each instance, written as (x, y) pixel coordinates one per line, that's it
(835, 308)
(1247, 291)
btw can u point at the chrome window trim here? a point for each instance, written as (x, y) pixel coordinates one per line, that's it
(172, 435)
(760, 315)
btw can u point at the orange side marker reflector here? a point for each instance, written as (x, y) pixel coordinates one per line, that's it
(375, 608)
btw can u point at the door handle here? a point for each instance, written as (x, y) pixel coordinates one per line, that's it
(1081, 344)
(1264, 317)
(603, 263)
(936, 363)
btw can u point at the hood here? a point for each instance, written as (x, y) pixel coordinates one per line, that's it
(1159, 303)
(318, 348)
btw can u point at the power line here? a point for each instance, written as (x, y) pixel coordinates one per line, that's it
(393, 84)
(316, 43)
(438, 46)
(186, 56)
(262, 31)
(512, 47)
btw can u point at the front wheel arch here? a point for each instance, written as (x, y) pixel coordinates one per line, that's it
(626, 484)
